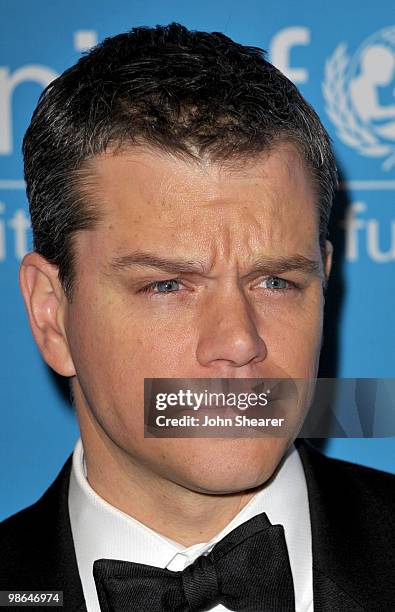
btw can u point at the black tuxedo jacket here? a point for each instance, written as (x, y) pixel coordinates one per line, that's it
(353, 535)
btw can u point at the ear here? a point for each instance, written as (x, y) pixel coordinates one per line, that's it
(46, 305)
(328, 259)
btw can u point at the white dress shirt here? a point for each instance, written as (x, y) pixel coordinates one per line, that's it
(102, 531)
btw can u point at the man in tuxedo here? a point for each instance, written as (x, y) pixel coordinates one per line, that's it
(180, 189)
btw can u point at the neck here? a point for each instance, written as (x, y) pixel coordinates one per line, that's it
(181, 514)
(185, 516)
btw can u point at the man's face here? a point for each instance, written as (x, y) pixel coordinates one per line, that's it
(223, 318)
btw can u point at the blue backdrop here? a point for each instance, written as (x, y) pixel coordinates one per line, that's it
(342, 56)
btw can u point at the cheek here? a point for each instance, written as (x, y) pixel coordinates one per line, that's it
(114, 347)
(294, 338)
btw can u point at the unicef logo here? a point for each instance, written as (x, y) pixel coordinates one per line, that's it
(360, 96)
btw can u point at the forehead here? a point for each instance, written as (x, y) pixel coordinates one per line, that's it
(152, 196)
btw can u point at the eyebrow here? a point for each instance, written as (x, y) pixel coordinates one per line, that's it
(263, 264)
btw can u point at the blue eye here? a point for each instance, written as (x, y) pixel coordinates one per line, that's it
(274, 282)
(166, 286)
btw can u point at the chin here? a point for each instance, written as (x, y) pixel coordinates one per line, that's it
(220, 465)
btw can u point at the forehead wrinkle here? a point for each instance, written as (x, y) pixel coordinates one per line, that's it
(141, 259)
(228, 234)
(279, 265)
(94, 175)
(263, 264)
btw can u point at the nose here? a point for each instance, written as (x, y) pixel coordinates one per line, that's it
(228, 334)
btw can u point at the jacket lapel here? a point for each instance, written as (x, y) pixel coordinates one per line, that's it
(65, 568)
(350, 566)
(49, 561)
(330, 597)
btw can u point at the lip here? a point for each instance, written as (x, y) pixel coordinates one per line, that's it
(271, 387)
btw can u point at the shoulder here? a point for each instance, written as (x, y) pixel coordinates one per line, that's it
(30, 536)
(37, 548)
(21, 523)
(352, 512)
(352, 507)
(21, 530)
(355, 482)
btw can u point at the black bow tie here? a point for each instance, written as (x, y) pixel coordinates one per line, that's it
(247, 570)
